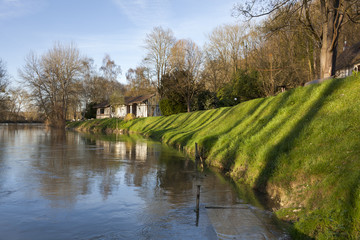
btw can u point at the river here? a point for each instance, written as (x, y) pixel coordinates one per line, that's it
(68, 185)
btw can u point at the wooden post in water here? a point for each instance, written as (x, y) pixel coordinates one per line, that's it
(197, 210)
(197, 156)
(198, 198)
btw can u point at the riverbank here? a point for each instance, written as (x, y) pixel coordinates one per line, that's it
(301, 147)
(21, 122)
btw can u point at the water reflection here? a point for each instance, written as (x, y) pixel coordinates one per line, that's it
(66, 185)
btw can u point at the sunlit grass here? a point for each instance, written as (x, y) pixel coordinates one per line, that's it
(302, 146)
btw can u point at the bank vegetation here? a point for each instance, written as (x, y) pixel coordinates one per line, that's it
(301, 147)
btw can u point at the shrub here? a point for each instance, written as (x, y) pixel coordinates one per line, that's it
(129, 116)
(169, 107)
(204, 100)
(90, 111)
(244, 86)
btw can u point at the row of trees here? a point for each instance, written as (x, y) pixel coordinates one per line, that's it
(61, 82)
(3, 88)
(14, 100)
(59, 85)
(321, 20)
(296, 42)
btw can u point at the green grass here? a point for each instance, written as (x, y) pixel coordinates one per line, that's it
(301, 147)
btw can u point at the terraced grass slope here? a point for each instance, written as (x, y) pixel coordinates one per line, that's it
(302, 147)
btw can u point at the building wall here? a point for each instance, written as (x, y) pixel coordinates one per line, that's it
(145, 109)
(344, 72)
(106, 114)
(153, 106)
(153, 110)
(120, 112)
(142, 110)
(347, 71)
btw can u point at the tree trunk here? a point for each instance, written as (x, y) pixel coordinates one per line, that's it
(330, 30)
(328, 52)
(326, 60)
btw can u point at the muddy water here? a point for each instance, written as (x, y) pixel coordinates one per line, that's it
(66, 185)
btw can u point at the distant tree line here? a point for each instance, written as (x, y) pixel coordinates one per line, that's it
(295, 42)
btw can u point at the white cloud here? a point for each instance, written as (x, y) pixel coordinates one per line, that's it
(17, 8)
(143, 13)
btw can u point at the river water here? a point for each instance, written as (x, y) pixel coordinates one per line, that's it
(68, 185)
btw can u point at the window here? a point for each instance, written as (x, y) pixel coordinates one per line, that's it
(102, 110)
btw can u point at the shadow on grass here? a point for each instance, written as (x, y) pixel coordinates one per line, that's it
(202, 123)
(353, 215)
(262, 130)
(232, 152)
(265, 120)
(209, 142)
(287, 143)
(165, 122)
(154, 124)
(296, 234)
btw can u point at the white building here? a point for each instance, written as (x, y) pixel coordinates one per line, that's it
(140, 106)
(348, 61)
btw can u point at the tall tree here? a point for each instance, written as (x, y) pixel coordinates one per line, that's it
(98, 89)
(184, 76)
(224, 52)
(322, 19)
(4, 82)
(99, 86)
(111, 71)
(52, 80)
(3, 76)
(19, 102)
(186, 55)
(139, 81)
(158, 44)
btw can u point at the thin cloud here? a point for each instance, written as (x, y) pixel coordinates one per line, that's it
(17, 8)
(144, 12)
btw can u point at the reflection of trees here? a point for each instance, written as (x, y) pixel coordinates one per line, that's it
(11, 137)
(57, 167)
(3, 145)
(67, 165)
(10, 133)
(160, 172)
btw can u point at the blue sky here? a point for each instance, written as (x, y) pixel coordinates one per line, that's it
(99, 27)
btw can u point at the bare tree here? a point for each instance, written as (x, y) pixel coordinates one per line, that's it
(212, 74)
(3, 76)
(333, 14)
(110, 70)
(52, 80)
(18, 103)
(4, 82)
(186, 55)
(158, 44)
(186, 63)
(139, 81)
(224, 52)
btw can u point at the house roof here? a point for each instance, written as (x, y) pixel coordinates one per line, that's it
(348, 57)
(128, 101)
(102, 105)
(137, 99)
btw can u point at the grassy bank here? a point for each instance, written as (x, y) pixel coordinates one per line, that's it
(302, 147)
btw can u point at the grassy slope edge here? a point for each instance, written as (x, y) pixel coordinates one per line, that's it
(302, 147)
